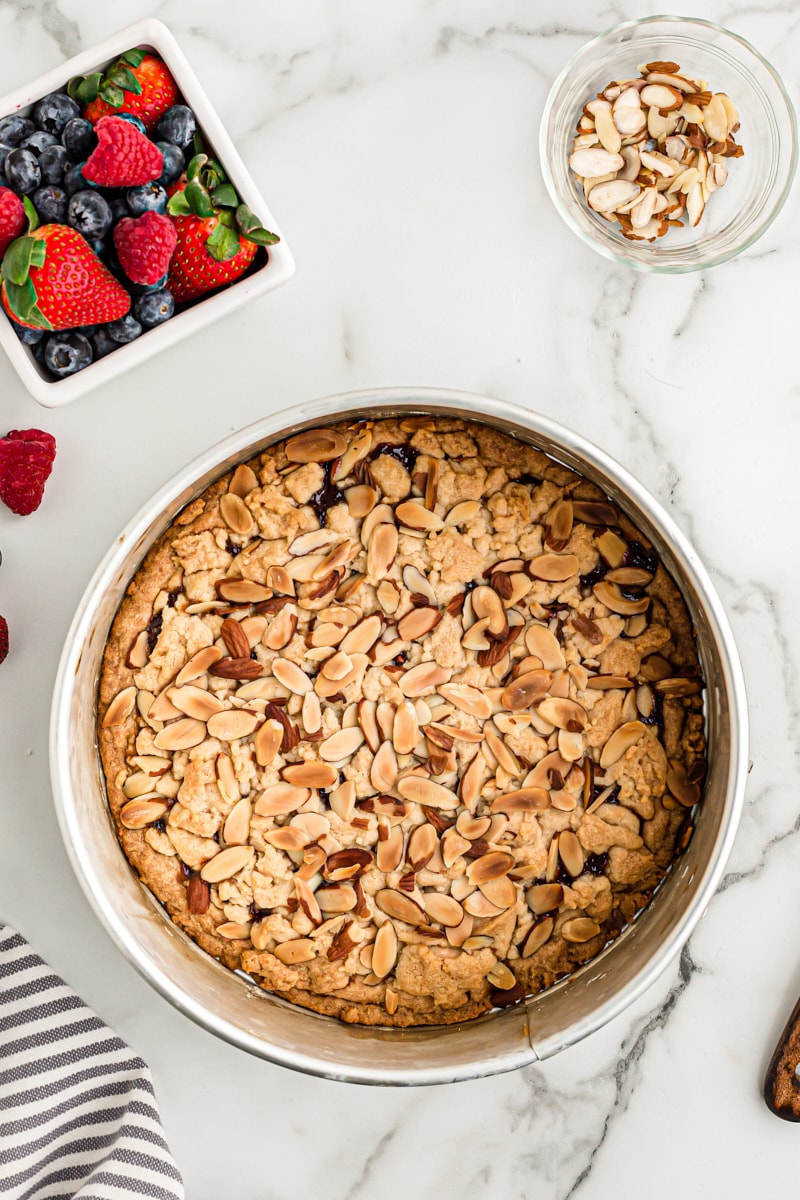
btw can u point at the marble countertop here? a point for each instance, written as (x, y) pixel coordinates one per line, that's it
(397, 146)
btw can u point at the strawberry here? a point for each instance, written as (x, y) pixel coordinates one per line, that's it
(26, 460)
(3, 639)
(218, 237)
(137, 83)
(145, 245)
(123, 157)
(12, 217)
(52, 279)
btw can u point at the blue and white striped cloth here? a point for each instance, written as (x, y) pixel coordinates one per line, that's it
(78, 1114)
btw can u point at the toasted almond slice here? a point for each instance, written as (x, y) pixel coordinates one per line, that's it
(579, 929)
(468, 699)
(661, 96)
(571, 745)
(195, 701)
(162, 708)
(606, 129)
(242, 591)
(337, 666)
(418, 622)
(499, 891)
(254, 629)
(606, 197)
(400, 907)
(546, 769)
(620, 741)
(243, 481)
(288, 838)
(493, 865)
(422, 845)
(139, 812)
(418, 584)
(529, 687)
(343, 800)
(381, 514)
(544, 897)
(236, 514)
(280, 799)
(198, 665)
(338, 898)
(661, 164)
(236, 830)
(610, 595)
(405, 731)
(477, 636)
(554, 568)
(234, 930)
(291, 676)
(478, 905)
(383, 773)
(558, 524)
(267, 741)
(471, 827)
(358, 449)
(180, 735)
(389, 853)
(501, 977)
(281, 629)
(594, 161)
(525, 799)
(388, 596)
(233, 723)
(311, 774)
(715, 119)
(679, 685)
(540, 933)
(455, 733)
(423, 679)
(120, 708)
(311, 713)
(362, 637)
(141, 783)
(472, 782)
(544, 645)
(316, 541)
(570, 852)
(279, 579)
(315, 445)
(422, 790)
(417, 516)
(487, 603)
(384, 953)
(361, 500)
(227, 782)
(504, 757)
(453, 845)
(367, 720)
(306, 900)
(342, 745)
(695, 203)
(443, 909)
(305, 568)
(298, 950)
(381, 550)
(139, 653)
(563, 714)
(227, 863)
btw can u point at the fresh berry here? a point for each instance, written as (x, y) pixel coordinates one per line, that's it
(53, 162)
(14, 128)
(154, 308)
(119, 208)
(3, 639)
(50, 203)
(217, 236)
(137, 82)
(124, 157)
(126, 329)
(90, 214)
(145, 246)
(103, 344)
(22, 171)
(150, 197)
(53, 280)
(52, 112)
(38, 141)
(28, 337)
(137, 124)
(174, 163)
(26, 460)
(74, 180)
(66, 353)
(79, 138)
(12, 218)
(178, 125)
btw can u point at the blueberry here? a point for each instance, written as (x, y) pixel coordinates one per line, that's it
(177, 126)
(90, 214)
(38, 141)
(119, 208)
(133, 120)
(14, 128)
(74, 180)
(79, 138)
(66, 353)
(126, 329)
(50, 203)
(39, 349)
(103, 343)
(150, 197)
(53, 162)
(4, 153)
(153, 308)
(142, 289)
(174, 163)
(28, 337)
(22, 171)
(52, 112)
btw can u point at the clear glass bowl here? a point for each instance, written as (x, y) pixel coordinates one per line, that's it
(758, 183)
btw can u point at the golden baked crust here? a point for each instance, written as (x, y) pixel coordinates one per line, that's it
(402, 718)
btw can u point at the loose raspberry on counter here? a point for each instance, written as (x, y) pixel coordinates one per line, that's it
(145, 246)
(26, 460)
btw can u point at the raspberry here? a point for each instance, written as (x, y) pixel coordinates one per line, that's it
(123, 157)
(145, 246)
(12, 218)
(26, 460)
(3, 639)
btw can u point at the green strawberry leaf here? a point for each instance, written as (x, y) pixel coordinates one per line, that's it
(246, 219)
(21, 298)
(112, 95)
(85, 89)
(36, 317)
(224, 196)
(223, 243)
(17, 260)
(31, 214)
(178, 205)
(39, 253)
(132, 57)
(124, 79)
(227, 218)
(195, 166)
(197, 143)
(198, 199)
(262, 237)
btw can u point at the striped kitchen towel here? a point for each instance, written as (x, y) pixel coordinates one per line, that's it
(78, 1114)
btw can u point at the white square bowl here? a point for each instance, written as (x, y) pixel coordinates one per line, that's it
(148, 34)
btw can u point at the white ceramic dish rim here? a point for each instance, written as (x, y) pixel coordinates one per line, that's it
(532, 1043)
(280, 268)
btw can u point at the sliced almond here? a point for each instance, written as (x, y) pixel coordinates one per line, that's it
(315, 445)
(405, 730)
(594, 161)
(291, 676)
(526, 799)
(361, 638)
(298, 950)
(554, 568)
(443, 908)
(544, 897)
(139, 812)
(478, 905)
(527, 689)
(280, 799)
(400, 907)
(422, 845)
(180, 735)
(120, 708)
(338, 898)
(227, 863)
(422, 790)
(540, 933)
(311, 774)
(281, 628)
(463, 512)
(383, 772)
(342, 745)
(417, 623)
(236, 830)
(198, 665)
(423, 679)
(236, 514)
(194, 701)
(563, 714)
(232, 724)
(384, 953)
(544, 645)
(417, 516)
(570, 852)
(579, 930)
(418, 584)
(611, 596)
(606, 197)
(486, 603)
(382, 550)
(389, 853)
(357, 450)
(472, 783)
(468, 699)
(267, 741)
(139, 653)
(471, 827)
(307, 901)
(242, 591)
(621, 741)
(493, 865)
(343, 800)
(279, 579)
(243, 481)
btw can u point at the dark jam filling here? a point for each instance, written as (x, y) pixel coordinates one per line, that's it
(153, 630)
(637, 556)
(258, 914)
(328, 496)
(528, 480)
(593, 577)
(232, 548)
(596, 864)
(172, 597)
(406, 454)
(612, 799)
